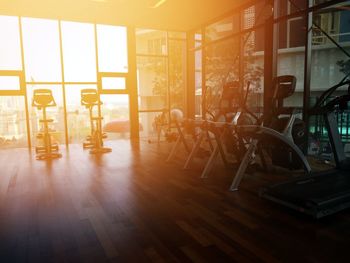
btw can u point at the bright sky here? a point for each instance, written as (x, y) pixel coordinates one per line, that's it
(42, 55)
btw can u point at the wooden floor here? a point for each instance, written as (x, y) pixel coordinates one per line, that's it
(131, 206)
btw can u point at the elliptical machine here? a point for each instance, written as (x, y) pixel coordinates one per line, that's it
(42, 99)
(281, 136)
(90, 98)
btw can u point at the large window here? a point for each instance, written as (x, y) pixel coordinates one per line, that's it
(79, 52)
(161, 72)
(290, 61)
(41, 50)
(13, 131)
(64, 57)
(78, 119)
(112, 49)
(329, 65)
(231, 49)
(10, 48)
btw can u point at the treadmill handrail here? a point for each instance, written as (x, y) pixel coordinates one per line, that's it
(329, 106)
(326, 94)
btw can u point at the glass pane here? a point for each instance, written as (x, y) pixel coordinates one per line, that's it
(152, 83)
(198, 94)
(290, 7)
(41, 50)
(112, 49)
(10, 47)
(253, 68)
(329, 65)
(292, 34)
(177, 74)
(79, 54)
(9, 83)
(256, 14)
(198, 82)
(153, 124)
(78, 116)
(56, 113)
(151, 42)
(113, 83)
(198, 38)
(291, 61)
(13, 130)
(223, 28)
(115, 112)
(222, 65)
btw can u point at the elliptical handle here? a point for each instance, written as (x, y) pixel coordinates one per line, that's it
(246, 94)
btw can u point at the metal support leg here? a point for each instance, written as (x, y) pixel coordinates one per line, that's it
(174, 149)
(247, 159)
(195, 149)
(180, 139)
(217, 149)
(209, 166)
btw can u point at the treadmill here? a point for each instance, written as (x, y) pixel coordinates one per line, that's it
(322, 193)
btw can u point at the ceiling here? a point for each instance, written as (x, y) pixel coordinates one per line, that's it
(159, 14)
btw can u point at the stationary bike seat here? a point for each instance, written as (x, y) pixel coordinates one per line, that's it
(96, 118)
(46, 121)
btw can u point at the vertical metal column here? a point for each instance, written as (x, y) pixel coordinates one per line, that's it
(270, 60)
(307, 68)
(168, 76)
(99, 111)
(63, 86)
(204, 84)
(191, 72)
(132, 84)
(241, 42)
(25, 86)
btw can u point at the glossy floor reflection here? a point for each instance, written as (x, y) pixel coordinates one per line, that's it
(131, 206)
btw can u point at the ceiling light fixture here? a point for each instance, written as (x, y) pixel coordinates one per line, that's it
(100, 1)
(158, 4)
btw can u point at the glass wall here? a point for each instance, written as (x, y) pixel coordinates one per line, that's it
(221, 66)
(330, 63)
(232, 49)
(67, 57)
(13, 131)
(42, 57)
(328, 55)
(10, 46)
(64, 57)
(161, 73)
(78, 116)
(198, 69)
(291, 57)
(115, 112)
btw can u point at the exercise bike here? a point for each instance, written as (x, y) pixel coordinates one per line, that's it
(42, 99)
(282, 135)
(90, 99)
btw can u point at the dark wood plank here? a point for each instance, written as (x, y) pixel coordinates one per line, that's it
(131, 206)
